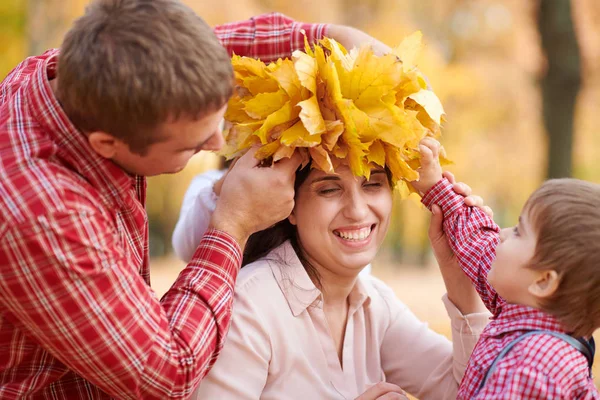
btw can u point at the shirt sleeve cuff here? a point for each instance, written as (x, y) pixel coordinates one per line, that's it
(470, 324)
(313, 32)
(444, 196)
(223, 252)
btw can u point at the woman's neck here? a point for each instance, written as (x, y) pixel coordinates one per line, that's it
(335, 287)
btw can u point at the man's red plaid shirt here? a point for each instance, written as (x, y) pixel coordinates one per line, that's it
(77, 316)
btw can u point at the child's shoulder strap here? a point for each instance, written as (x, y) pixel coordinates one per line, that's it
(587, 348)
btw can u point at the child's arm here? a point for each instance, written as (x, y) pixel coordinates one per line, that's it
(198, 205)
(472, 235)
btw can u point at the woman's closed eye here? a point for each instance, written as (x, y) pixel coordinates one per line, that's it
(372, 185)
(328, 190)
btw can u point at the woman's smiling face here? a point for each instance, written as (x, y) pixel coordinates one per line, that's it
(342, 219)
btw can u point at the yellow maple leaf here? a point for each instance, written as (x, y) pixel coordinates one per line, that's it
(321, 158)
(265, 104)
(281, 116)
(267, 150)
(430, 102)
(287, 78)
(376, 153)
(235, 111)
(334, 131)
(409, 49)
(298, 136)
(311, 116)
(246, 66)
(398, 165)
(306, 69)
(283, 152)
(256, 85)
(339, 54)
(371, 78)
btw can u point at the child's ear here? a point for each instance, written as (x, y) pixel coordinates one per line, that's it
(292, 218)
(545, 284)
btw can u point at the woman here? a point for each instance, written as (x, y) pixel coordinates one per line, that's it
(306, 326)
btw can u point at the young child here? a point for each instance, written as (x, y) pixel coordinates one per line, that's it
(540, 279)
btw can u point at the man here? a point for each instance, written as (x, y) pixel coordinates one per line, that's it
(137, 88)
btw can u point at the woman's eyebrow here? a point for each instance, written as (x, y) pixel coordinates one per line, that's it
(325, 178)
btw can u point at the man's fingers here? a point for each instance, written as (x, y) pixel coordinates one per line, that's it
(449, 176)
(462, 188)
(474, 201)
(248, 160)
(290, 164)
(488, 211)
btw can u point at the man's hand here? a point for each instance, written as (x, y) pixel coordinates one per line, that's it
(441, 250)
(383, 391)
(465, 190)
(430, 171)
(252, 198)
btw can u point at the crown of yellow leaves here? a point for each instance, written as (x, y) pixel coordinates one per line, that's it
(335, 107)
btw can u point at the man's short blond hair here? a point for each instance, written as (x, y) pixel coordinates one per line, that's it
(565, 214)
(126, 66)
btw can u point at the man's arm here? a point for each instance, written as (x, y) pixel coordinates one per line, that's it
(272, 36)
(268, 36)
(66, 282)
(351, 37)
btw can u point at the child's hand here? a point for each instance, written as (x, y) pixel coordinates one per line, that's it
(430, 171)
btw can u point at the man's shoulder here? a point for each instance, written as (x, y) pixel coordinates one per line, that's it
(20, 75)
(38, 187)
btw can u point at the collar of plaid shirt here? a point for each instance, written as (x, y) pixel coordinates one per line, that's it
(72, 145)
(517, 317)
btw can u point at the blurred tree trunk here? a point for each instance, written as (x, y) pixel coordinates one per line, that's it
(47, 22)
(561, 83)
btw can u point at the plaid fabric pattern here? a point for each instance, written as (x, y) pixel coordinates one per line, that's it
(539, 367)
(268, 36)
(77, 318)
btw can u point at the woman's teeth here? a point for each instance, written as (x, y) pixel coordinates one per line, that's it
(359, 234)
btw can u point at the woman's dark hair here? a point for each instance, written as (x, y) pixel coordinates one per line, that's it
(263, 242)
(224, 163)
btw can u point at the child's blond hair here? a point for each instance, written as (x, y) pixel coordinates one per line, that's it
(565, 214)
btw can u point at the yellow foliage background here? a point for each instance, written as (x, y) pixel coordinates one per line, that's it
(483, 59)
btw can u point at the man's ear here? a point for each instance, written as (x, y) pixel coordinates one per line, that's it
(545, 284)
(104, 144)
(292, 218)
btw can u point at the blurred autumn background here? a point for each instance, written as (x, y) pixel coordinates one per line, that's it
(520, 82)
